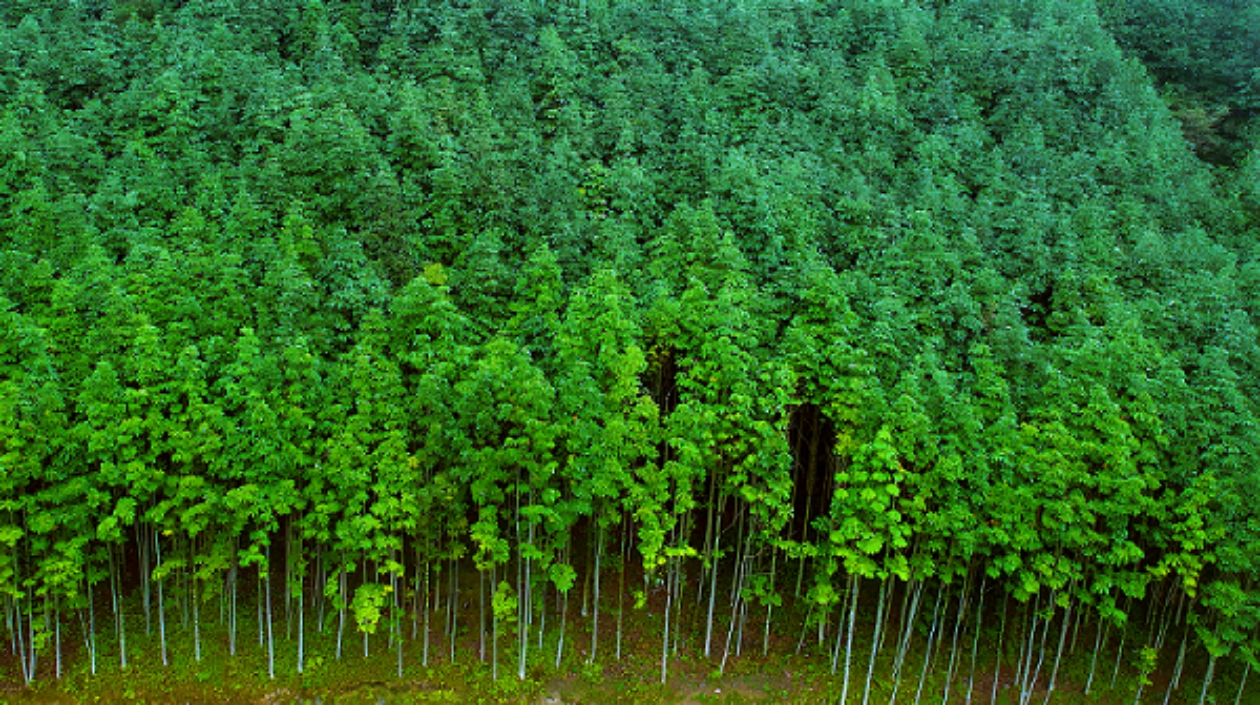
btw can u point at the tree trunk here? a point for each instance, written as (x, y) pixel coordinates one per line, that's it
(669, 603)
(1058, 656)
(879, 620)
(599, 552)
(855, 583)
(157, 548)
(271, 647)
(975, 644)
(997, 666)
(1100, 636)
(1242, 684)
(931, 641)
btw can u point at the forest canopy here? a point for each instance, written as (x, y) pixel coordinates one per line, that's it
(828, 298)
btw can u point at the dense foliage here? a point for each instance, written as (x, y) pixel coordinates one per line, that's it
(821, 302)
(1205, 57)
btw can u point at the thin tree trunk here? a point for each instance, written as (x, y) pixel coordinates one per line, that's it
(542, 612)
(366, 640)
(232, 572)
(931, 641)
(1076, 630)
(57, 633)
(1041, 652)
(481, 616)
(1207, 679)
(1242, 685)
(301, 645)
(527, 611)
(1026, 648)
(1181, 659)
(800, 643)
(669, 602)
(879, 620)
(33, 666)
(494, 625)
(855, 583)
(835, 650)
(397, 616)
(599, 552)
(564, 618)
(1058, 656)
(714, 558)
(959, 616)
(710, 511)
(28, 673)
(196, 622)
(142, 551)
(765, 639)
(301, 620)
(26, 642)
(427, 611)
(321, 580)
(92, 625)
(157, 548)
(621, 590)
(419, 595)
(341, 606)
(904, 641)
(288, 579)
(679, 572)
(1124, 633)
(271, 648)
(8, 624)
(997, 666)
(454, 597)
(975, 644)
(1100, 636)
(120, 616)
(735, 606)
(262, 627)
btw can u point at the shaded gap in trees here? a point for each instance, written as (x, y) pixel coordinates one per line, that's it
(812, 437)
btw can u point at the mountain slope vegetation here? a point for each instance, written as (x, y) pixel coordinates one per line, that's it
(847, 316)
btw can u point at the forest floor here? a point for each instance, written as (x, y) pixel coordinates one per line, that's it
(780, 677)
(783, 674)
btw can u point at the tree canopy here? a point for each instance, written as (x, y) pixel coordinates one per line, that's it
(348, 293)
